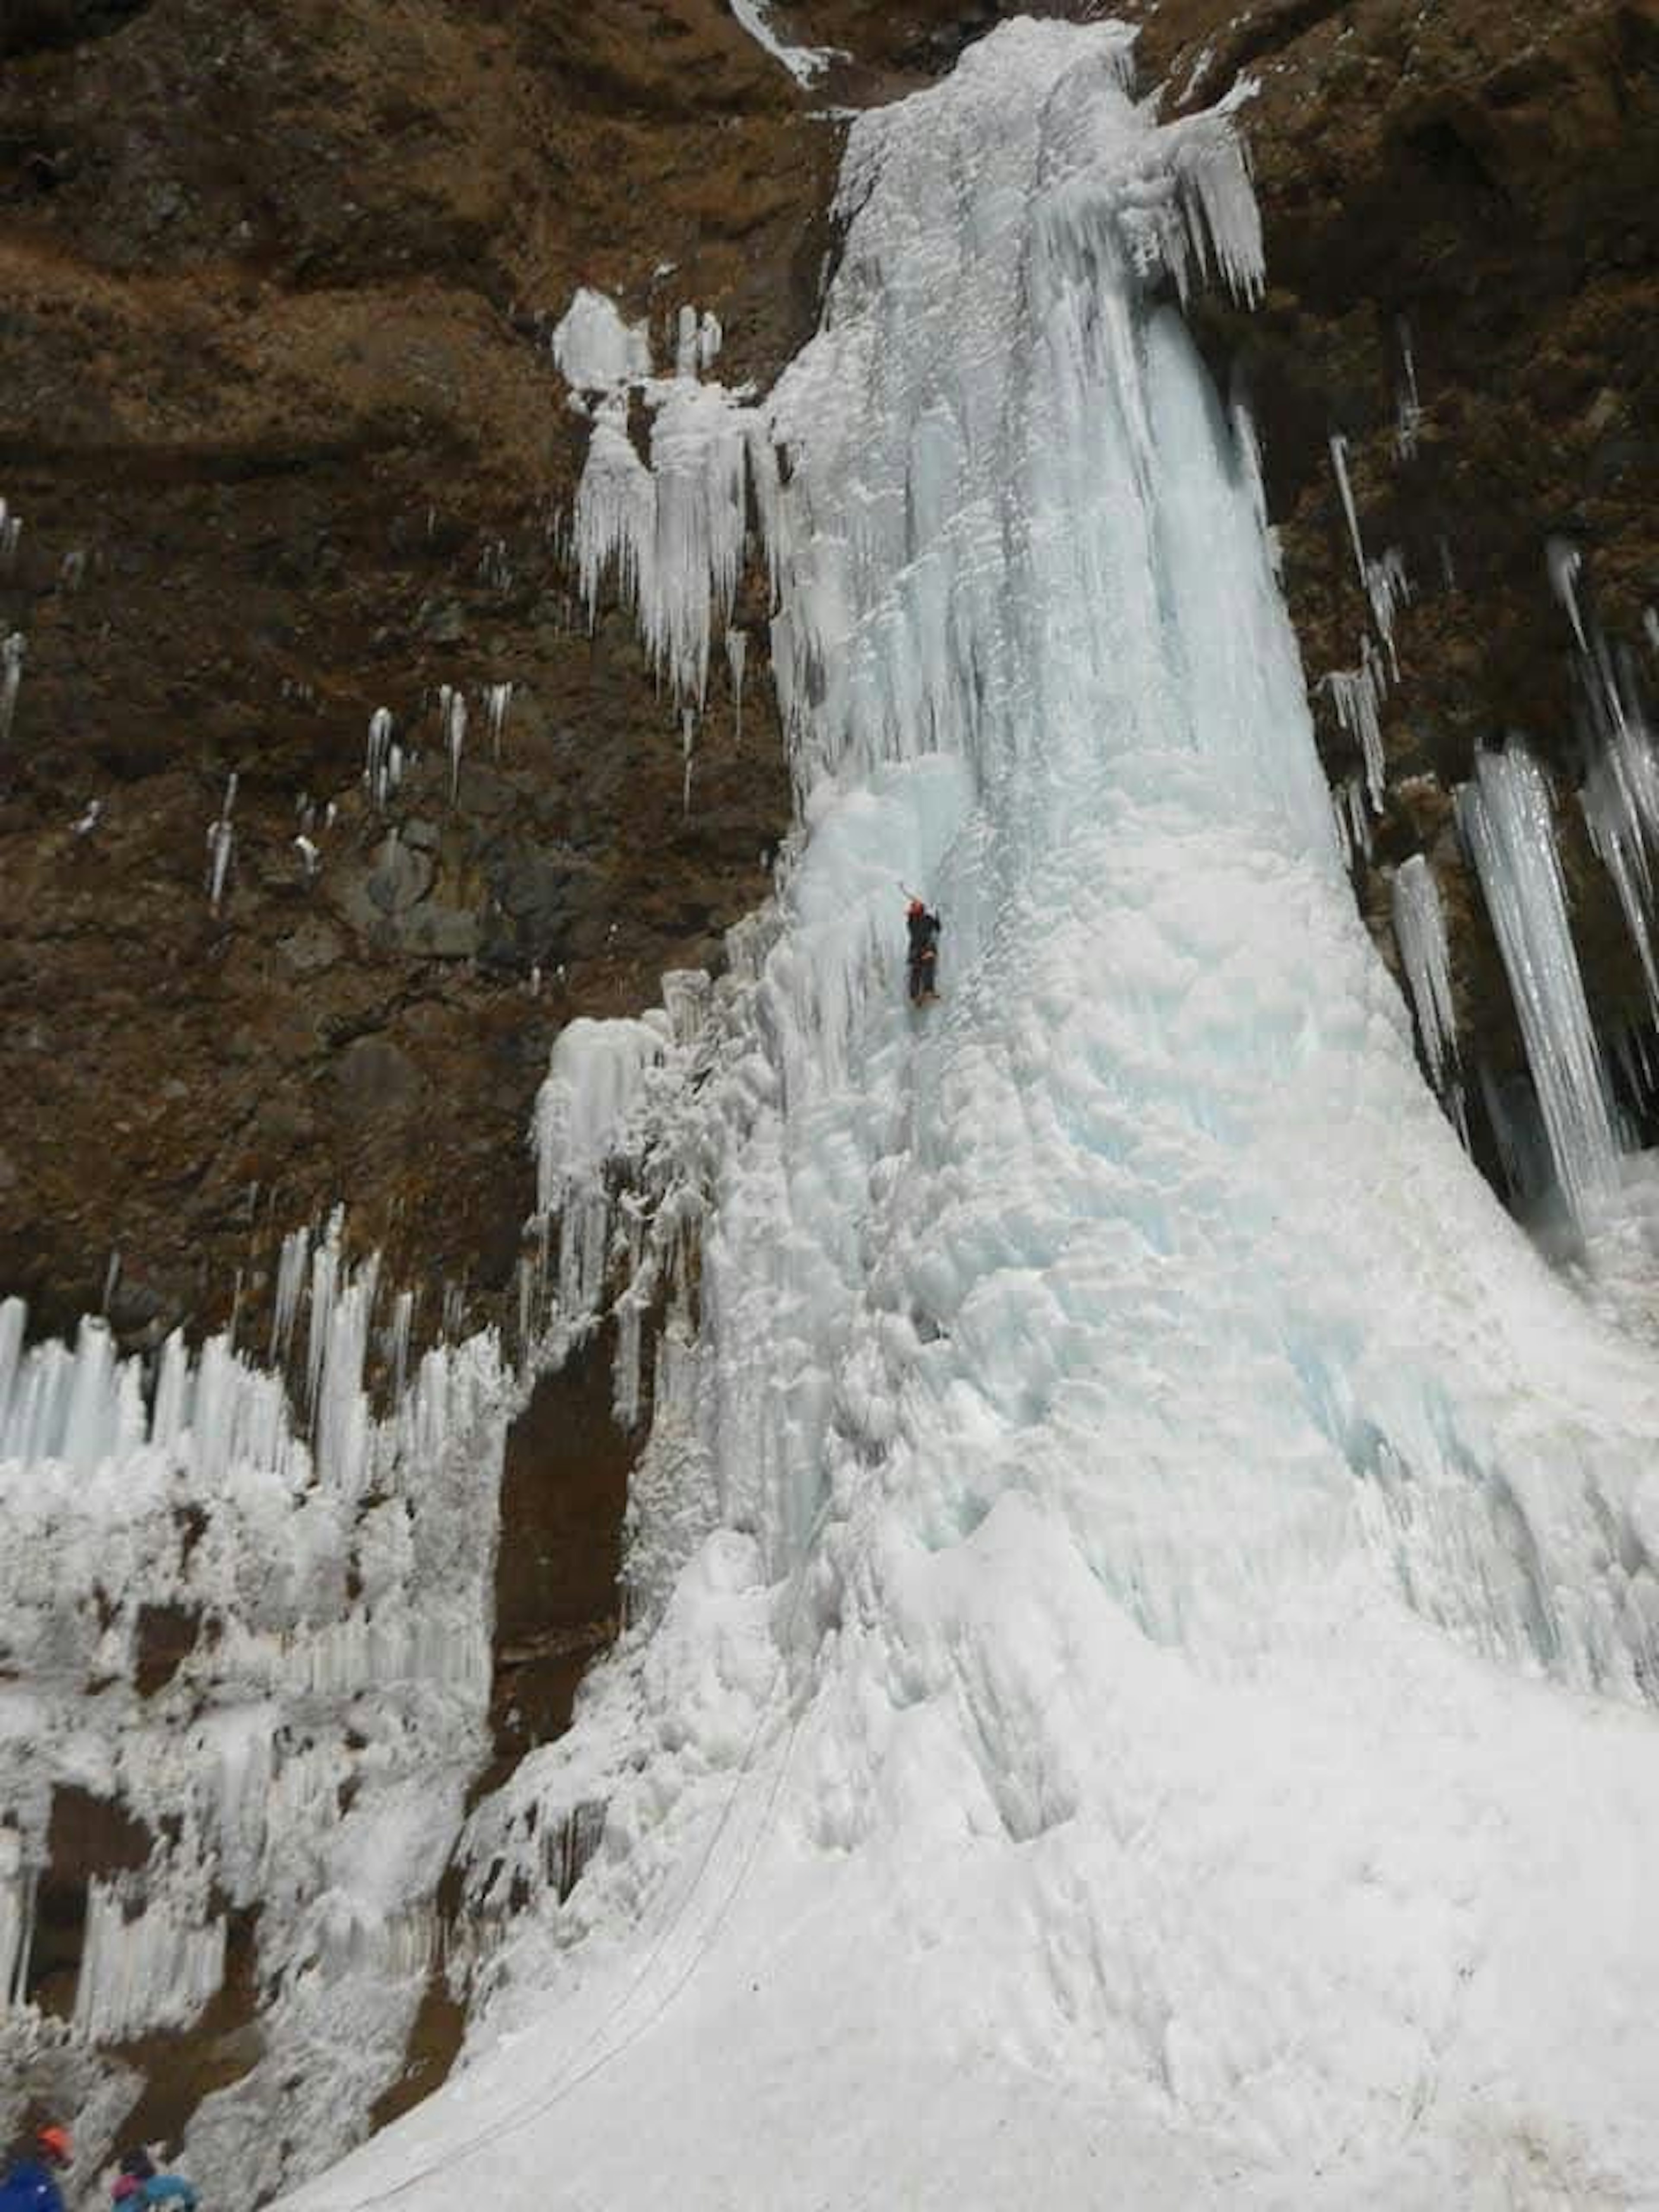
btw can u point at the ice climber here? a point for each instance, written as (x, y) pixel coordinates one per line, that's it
(924, 929)
(141, 2186)
(30, 2181)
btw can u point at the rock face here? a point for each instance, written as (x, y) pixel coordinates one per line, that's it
(288, 446)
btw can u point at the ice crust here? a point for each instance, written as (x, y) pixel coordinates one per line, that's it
(307, 1760)
(1143, 1592)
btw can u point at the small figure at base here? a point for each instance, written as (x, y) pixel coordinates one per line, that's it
(30, 2180)
(923, 955)
(141, 2186)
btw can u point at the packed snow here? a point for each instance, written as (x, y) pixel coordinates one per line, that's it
(1143, 1581)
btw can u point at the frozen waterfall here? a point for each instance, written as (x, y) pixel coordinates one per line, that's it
(1142, 1695)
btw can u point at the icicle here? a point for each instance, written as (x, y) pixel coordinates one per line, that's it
(221, 846)
(1420, 930)
(498, 697)
(1357, 695)
(688, 733)
(451, 721)
(1408, 413)
(290, 1284)
(156, 1969)
(1620, 803)
(11, 529)
(1505, 816)
(402, 1315)
(324, 1280)
(736, 651)
(11, 675)
(1387, 590)
(1563, 561)
(710, 338)
(1339, 449)
(685, 342)
(376, 769)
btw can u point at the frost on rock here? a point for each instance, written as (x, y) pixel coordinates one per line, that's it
(594, 350)
(1507, 820)
(307, 1760)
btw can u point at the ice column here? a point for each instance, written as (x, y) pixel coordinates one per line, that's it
(1621, 802)
(11, 675)
(1420, 930)
(1505, 817)
(221, 845)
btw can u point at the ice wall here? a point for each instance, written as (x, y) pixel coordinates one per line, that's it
(1132, 1536)
(323, 1586)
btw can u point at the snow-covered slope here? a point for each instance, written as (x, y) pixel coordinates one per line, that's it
(1139, 1695)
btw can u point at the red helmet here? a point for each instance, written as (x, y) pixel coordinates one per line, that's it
(916, 906)
(55, 2142)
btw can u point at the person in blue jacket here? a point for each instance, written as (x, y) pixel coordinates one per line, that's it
(30, 2182)
(141, 2186)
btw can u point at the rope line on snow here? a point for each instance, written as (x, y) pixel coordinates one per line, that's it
(539, 2106)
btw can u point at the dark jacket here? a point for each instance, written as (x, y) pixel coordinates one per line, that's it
(28, 2186)
(924, 935)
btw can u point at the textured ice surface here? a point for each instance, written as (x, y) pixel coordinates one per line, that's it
(1137, 1693)
(306, 1760)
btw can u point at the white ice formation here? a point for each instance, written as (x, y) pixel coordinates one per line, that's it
(11, 678)
(804, 63)
(1408, 407)
(594, 350)
(383, 762)
(1420, 930)
(11, 530)
(1144, 1583)
(498, 698)
(736, 654)
(322, 1591)
(221, 848)
(451, 722)
(1508, 822)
